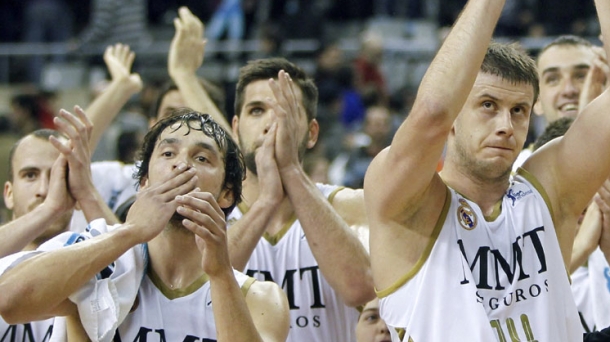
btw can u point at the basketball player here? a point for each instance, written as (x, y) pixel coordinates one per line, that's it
(472, 239)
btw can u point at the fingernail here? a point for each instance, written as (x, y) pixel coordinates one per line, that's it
(181, 166)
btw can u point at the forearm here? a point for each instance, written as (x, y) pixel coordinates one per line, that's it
(107, 106)
(18, 233)
(451, 74)
(603, 13)
(95, 207)
(230, 310)
(340, 255)
(243, 236)
(38, 287)
(197, 98)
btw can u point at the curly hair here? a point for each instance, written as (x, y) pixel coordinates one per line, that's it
(233, 159)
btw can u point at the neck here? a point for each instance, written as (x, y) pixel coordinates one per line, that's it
(484, 192)
(175, 257)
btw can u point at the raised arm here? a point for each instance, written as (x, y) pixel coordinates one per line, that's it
(123, 86)
(403, 194)
(400, 175)
(340, 255)
(571, 185)
(263, 314)
(78, 154)
(243, 236)
(185, 57)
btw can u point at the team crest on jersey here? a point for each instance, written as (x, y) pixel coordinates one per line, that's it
(466, 216)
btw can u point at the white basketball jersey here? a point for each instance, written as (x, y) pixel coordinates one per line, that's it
(502, 280)
(316, 312)
(159, 318)
(38, 331)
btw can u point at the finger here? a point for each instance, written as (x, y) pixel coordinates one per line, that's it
(199, 231)
(129, 62)
(293, 96)
(108, 53)
(62, 147)
(75, 128)
(204, 203)
(179, 183)
(204, 221)
(280, 100)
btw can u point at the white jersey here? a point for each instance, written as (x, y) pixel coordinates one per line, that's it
(500, 280)
(115, 183)
(39, 331)
(105, 300)
(591, 289)
(186, 318)
(316, 312)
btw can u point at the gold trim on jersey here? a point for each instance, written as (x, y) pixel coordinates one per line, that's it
(246, 286)
(331, 196)
(530, 178)
(422, 259)
(171, 293)
(497, 210)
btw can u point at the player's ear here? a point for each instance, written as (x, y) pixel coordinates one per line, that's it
(8, 195)
(313, 132)
(226, 198)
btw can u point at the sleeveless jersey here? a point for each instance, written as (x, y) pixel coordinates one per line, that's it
(38, 331)
(486, 281)
(316, 311)
(188, 318)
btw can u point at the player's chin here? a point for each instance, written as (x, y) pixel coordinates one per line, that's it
(176, 220)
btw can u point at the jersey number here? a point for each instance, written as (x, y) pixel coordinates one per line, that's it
(512, 329)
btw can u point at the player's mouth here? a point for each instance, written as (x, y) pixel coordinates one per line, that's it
(569, 109)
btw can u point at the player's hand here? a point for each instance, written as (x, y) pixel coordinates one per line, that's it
(76, 151)
(119, 59)
(269, 181)
(58, 196)
(602, 199)
(156, 204)
(188, 46)
(204, 217)
(292, 122)
(596, 79)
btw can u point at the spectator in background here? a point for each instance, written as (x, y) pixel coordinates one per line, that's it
(369, 79)
(116, 21)
(46, 21)
(31, 112)
(376, 135)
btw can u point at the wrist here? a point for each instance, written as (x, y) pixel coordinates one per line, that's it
(126, 86)
(182, 76)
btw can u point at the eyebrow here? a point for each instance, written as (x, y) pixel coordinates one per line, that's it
(201, 144)
(256, 103)
(522, 104)
(555, 69)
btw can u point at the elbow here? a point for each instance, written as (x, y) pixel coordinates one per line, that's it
(359, 292)
(10, 306)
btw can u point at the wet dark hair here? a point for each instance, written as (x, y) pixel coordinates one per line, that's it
(511, 63)
(264, 69)
(43, 134)
(195, 121)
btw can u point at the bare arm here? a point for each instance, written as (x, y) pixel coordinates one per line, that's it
(340, 255)
(263, 314)
(185, 57)
(571, 185)
(244, 235)
(404, 195)
(587, 237)
(39, 287)
(123, 86)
